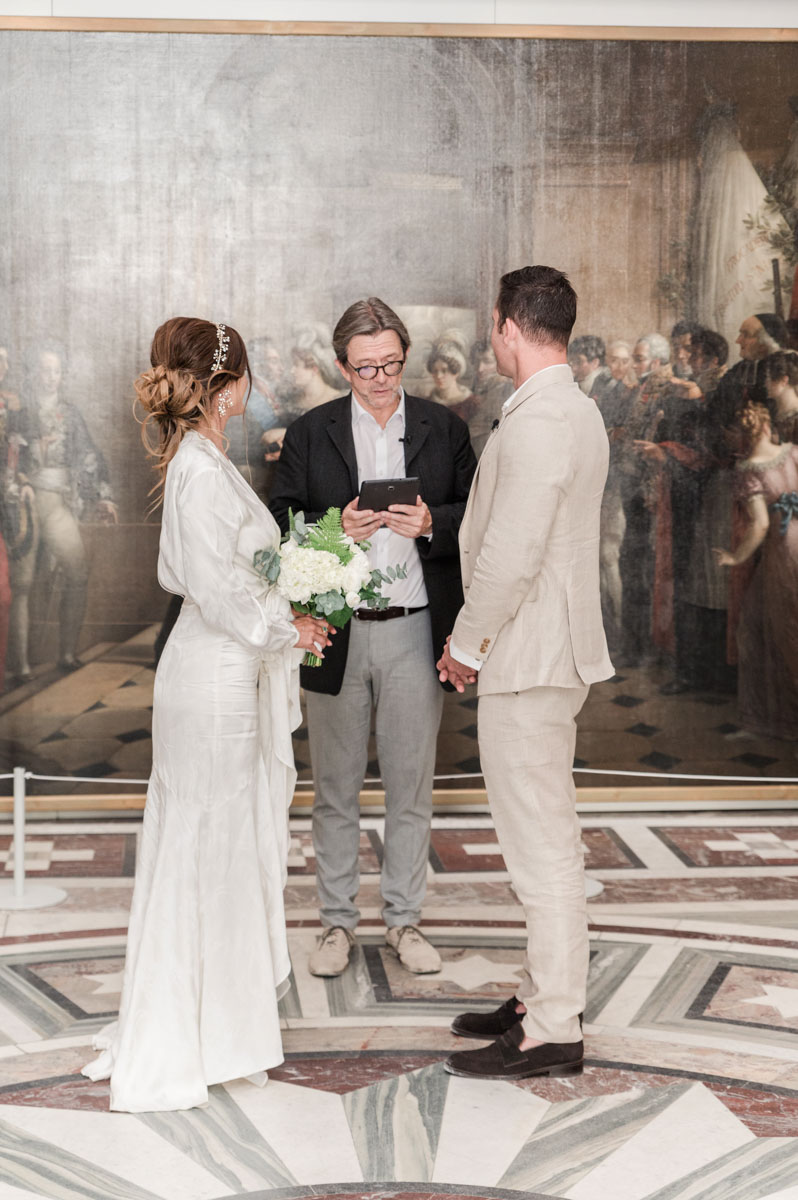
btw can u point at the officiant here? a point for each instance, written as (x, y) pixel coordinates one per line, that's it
(383, 662)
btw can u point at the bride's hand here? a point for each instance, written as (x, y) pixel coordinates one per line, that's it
(313, 634)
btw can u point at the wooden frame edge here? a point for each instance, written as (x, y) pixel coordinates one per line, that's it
(397, 29)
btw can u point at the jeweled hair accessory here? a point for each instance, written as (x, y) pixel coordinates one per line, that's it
(224, 401)
(220, 354)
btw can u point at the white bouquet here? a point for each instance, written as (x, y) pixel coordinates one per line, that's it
(324, 572)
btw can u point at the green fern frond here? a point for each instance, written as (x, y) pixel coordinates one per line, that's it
(328, 534)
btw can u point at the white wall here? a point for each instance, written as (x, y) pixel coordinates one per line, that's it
(686, 13)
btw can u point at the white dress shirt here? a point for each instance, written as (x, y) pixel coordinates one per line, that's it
(380, 454)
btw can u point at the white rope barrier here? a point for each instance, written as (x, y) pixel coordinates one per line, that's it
(461, 776)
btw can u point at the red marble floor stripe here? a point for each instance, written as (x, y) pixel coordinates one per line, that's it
(765, 1113)
(109, 854)
(72, 1093)
(692, 843)
(643, 930)
(655, 890)
(347, 1073)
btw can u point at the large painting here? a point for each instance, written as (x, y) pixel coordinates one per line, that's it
(269, 181)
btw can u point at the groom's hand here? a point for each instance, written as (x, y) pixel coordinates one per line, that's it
(454, 672)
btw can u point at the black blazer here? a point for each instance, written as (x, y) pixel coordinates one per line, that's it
(317, 469)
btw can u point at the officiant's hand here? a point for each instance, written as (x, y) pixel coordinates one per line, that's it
(410, 520)
(454, 672)
(360, 525)
(313, 633)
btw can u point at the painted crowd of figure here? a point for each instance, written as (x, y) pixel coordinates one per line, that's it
(699, 551)
(52, 477)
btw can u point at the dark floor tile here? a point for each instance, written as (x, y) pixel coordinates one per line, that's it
(754, 760)
(134, 735)
(97, 769)
(660, 761)
(469, 766)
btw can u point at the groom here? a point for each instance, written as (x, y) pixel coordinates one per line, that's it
(530, 629)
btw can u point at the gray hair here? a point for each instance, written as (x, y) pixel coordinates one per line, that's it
(658, 346)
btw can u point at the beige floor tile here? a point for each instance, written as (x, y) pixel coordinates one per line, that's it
(606, 716)
(108, 722)
(73, 753)
(76, 692)
(29, 727)
(133, 697)
(134, 759)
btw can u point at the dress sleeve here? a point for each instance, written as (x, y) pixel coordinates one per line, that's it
(747, 485)
(230, 596)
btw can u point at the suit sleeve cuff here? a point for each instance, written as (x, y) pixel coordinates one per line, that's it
(467, 659)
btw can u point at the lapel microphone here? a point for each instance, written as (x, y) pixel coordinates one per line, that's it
(407, 440)
(495, 425)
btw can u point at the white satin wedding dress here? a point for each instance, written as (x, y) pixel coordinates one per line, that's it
(207, 954)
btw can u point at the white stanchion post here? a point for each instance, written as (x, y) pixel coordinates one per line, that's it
(19, 832)
(16, 895)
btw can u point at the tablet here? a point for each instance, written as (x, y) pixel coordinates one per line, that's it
(379, 494)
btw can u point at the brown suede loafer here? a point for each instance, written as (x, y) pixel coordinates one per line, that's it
(490, 1024)
(503, 1059)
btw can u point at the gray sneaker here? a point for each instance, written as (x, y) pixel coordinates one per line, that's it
(413, 950)
(331, 956)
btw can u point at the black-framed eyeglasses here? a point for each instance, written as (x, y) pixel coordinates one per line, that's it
(389, 369)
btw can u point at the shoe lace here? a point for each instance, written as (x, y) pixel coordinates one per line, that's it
(411, 934)
(331, 935)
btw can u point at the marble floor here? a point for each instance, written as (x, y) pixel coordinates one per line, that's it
(95, 722)
(690, 1090)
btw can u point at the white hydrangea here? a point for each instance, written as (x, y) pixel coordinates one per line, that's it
(356, 575)
(305, 572)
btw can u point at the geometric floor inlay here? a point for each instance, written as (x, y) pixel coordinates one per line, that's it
(690, 1089)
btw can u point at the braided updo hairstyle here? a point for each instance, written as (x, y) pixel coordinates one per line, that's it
(751, 424)
(178, 391)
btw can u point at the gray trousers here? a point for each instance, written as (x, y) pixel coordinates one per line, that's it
(389, 667)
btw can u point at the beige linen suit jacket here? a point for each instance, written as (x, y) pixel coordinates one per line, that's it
(529, 543)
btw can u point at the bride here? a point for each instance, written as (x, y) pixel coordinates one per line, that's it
(207, 956)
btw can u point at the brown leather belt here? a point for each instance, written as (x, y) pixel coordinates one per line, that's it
(385, 614)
